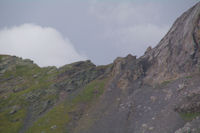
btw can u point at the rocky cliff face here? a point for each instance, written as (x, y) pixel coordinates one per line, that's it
(156, 93)
(177, 54)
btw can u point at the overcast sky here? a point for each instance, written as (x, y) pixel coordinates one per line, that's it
(58, 32)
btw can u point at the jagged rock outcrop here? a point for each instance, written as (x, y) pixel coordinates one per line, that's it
(126, 70)
(177, 54)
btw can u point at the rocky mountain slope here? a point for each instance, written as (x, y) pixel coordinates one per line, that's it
(156, 93)
(177, 54)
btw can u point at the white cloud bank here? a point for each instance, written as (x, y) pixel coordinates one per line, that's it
(44, 45)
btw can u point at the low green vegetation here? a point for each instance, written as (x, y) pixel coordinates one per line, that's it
(57, 119)
(53, 122)
(25, 86)
(24, 82)
(11, 123)
(164, 83)
(189, 116)
(188, 77)
(91, 91)
(1, 57)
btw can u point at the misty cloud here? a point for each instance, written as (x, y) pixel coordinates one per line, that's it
(138, 38)
(44, 45)
(132, 27)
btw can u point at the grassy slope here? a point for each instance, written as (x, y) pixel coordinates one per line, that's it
(189, 116)
(24, 84)
(21, 77)
(55, 121)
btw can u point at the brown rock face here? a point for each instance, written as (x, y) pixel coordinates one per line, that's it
(178, 52)
(126, 70)
(191, 103)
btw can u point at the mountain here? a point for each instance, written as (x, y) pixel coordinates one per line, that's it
(156, 93)
(177, 54)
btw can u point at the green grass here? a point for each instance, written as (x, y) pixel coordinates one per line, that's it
(33, 80)
(189, 116)
(164, 83)
(57, 116)
(1, 57)
(11, 123)
(188, 77)
(62, 114)
(19, 97)
(22, 71)
(92, 90)
(28, 71)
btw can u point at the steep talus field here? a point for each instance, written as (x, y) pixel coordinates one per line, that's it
(158, 92)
